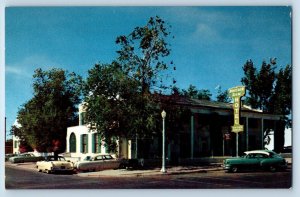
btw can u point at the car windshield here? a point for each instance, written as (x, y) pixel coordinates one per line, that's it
(52, 158)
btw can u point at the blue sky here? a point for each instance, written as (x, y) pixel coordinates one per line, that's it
(210, 47)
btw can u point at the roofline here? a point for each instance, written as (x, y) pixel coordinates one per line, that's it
(226, 109)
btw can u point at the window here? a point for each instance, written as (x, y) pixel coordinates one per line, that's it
(72, 143)
(108, 157)
(100, 157)
(97, 143)
(84, 143)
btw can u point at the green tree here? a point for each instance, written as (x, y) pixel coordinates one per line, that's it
(281, 103)
(142, 53)
(193, 92)
(112, 103)
(270, 92)
(281, 100)
(259, 84)
(222, 96)
(120, 97)
(45, 117)
(204, 94)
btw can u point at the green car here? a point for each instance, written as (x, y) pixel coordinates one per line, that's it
(25, 157)
(256, 160)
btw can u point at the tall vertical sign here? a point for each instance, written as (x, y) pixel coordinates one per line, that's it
(236, 93)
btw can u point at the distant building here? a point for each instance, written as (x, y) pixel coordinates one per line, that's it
(82, 142)
(16, 140)
(8, 147)
(205, 133)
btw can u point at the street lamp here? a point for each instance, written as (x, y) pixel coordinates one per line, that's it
(163, 168)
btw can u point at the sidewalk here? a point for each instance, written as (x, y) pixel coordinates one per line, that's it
(152, 172)
(139, 173)
(135, 173)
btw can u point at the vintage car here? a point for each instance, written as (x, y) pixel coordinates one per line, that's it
(25, 157)
(254, 160)
(55, 164)
(97, 163)
(7, 156)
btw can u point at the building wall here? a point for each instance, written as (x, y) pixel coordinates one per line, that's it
(80, 154)
(205, 133)
(16, 144)
(124, 147)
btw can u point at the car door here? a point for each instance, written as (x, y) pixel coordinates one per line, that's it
(252, 161)
(110, 162)
(27, 158)
(98, 163)
(259, 158)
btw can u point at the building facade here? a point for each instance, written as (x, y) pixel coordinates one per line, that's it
(82, 142)
(205, 133)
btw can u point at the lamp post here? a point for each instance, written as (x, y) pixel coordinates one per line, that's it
(163, 168)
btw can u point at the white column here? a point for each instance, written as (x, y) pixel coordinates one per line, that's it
(90, 143)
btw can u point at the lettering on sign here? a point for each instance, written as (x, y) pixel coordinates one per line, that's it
(236, 93)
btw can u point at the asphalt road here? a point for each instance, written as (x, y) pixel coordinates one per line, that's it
(20, 178)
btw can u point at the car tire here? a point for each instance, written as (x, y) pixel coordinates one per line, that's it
(234, 169)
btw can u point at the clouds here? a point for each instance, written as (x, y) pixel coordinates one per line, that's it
(206, 32)
(211, 43)
(16, 70)
(24, 68)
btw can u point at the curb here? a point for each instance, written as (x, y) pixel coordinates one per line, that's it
(151, 173)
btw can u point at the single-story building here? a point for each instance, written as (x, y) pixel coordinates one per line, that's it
(205, 133)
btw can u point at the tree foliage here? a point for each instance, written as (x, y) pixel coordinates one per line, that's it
(193, 92)
(270, 92)
(222, 96)
(142, 53)
(120, 96)
(113, 103)
(281, 100)
(259, 84)
(45, 117)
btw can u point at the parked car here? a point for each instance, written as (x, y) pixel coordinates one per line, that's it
(55, 164)
(97, 163)
(25, 157)
(131, 164)
(254, 160)
(7, 156)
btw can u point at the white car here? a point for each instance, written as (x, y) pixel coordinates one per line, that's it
(55, 164)
(97, 163)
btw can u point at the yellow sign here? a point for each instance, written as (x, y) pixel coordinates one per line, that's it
(236, 93)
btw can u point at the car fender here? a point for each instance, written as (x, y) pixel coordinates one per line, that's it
(268, 162)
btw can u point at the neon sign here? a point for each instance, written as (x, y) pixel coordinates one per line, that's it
(236, 93)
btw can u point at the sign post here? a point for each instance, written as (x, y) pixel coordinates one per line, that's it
(236, 93)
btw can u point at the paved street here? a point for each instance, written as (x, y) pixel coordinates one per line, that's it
(28, 178)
